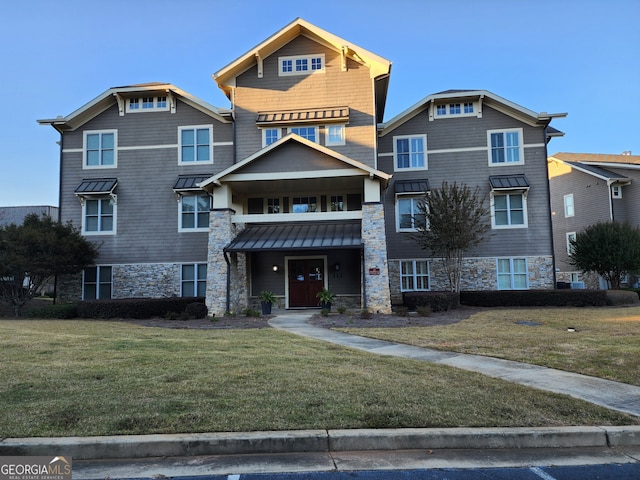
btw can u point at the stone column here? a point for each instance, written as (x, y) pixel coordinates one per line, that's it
(221, 232)
(376, 268)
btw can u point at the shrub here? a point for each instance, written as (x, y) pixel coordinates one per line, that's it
(622, 297)
(423, 311)
(196, 310)
(342, 309)
(138, 308)
(324, 312)
(62, 311)
(436, 301)
(251, 313)
(366, 314)
(535, 298)
(402, 311)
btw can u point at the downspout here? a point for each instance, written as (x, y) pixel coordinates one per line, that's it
(553, 250)
(55, 277)
(609, 183)
(228, 295)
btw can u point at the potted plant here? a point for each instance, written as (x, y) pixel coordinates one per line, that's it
(325, 298)
(267, 299)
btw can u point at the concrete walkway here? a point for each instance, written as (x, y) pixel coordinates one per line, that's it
(614, 395)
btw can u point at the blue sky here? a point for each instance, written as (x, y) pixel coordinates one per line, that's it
(576, 56)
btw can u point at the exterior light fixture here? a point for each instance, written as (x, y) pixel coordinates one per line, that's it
(275, 268)
(337, 267)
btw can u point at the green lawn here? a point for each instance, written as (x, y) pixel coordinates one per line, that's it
(606, 342)
(65, 378)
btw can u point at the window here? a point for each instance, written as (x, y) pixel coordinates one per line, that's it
(310, 133)
(409, 216)
(97, 283)
(512, 274)
(98, 216)
(410, 152)
(193, 281)
(100, 149)
(616, 191)
(142, 104)
(451, 110)
(194, 212)
(304, 204)
(509, 211)
(568, 205)
(270, 135)
(335, 135)
(571, 237)
(195, 145)
(301, 65)
(336, 203)
(273, 205)
(414, 275)
(505, 147)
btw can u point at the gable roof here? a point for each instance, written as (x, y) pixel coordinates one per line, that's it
(494, 101)
(216, 179)
(117, 95)
(379, 67)
(598, 158)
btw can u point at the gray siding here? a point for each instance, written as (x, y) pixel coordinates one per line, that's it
(147, 208)
(353, 88)
(16, 215)
(472, 168)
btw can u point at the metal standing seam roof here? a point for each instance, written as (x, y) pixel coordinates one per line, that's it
(190, 182)
(332, 114)
(411, 186)
(297, 236)
(507, 182)
(96, 186)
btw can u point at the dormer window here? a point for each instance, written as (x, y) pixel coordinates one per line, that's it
(456, 109)
(301, 65)
(147, 104)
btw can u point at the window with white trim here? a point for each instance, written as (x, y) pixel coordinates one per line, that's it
(414, 275)
(509, 210)
(310, 133)
(410, 152)
(616, 191)
(100, 149)
(147, 104)
(505, 147)
(98, 216)
(571, 237)
(569, 210)
(335, 135)
(97, 282)
(456, 109)
(270, 135)
(336, 203)
(409, 215)
(193, 280)
(304, 204)
(195, 144)
(273, 205)
(194, 213)
(512, 274)
(301, 65)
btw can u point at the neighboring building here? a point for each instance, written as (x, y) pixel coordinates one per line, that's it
(300, 185)
(9, 215)
(589, 188)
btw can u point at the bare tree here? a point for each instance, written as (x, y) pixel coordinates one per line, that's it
(452, 220)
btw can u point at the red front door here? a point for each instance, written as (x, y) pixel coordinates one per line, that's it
(306, 279)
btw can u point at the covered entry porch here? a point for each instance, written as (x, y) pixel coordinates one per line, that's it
(296, 261)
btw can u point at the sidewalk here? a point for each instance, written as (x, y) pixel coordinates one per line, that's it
(614, 395)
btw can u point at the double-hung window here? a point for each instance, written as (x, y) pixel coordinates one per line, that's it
(98, 216)
(97, 282)
(414, 275)
(193, 280)
(100, 149)
(270, 135)
(310, 133)
(512, 274)
(509, 210)
(571, 237)
(505, 147)
(409, 213)
(335, 135)
(569, 210)
(304, 204)
(194, 213)
(410, 152)
(195, 145)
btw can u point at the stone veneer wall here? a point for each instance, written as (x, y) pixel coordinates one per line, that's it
(478, 274)
(378, 296)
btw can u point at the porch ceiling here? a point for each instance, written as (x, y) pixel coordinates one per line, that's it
(298, 185)
(297, 236)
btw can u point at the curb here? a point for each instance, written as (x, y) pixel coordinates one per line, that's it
(299, 441)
